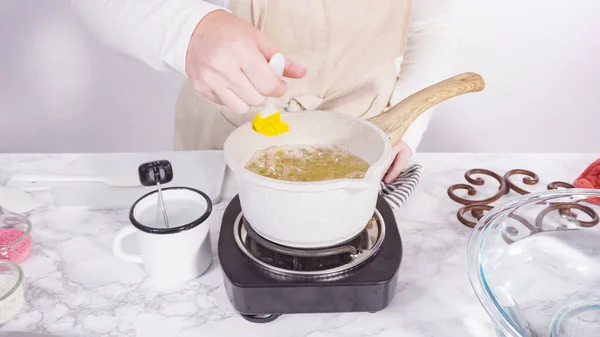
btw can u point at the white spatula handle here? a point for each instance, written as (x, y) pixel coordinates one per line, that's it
(277, 64)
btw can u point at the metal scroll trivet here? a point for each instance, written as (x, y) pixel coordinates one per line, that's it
(477, 208)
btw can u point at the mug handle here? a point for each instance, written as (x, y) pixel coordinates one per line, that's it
(118, 247)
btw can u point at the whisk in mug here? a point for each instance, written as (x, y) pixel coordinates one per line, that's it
(172, 232)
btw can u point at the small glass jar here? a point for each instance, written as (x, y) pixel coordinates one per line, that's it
(12, 293)
(15, 238)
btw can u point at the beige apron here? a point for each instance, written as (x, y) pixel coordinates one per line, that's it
(347, 46)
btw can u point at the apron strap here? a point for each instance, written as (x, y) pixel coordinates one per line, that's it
(259, 13)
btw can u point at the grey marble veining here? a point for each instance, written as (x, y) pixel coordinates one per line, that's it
(76, 287)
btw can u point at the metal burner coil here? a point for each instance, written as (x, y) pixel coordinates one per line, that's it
(366, 245)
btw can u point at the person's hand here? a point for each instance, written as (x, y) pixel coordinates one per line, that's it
(401, 155)
(227, 62)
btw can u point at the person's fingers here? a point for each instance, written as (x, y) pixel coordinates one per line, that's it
(215, 82)
(213, 97)
(241, 85)
(396, 168)
(256, 67)
(204, 89)
(293, 70)
(265, 47)
(227, 62)
(232, 101)
(393, 172)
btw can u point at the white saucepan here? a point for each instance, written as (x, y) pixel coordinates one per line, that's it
(326, 213)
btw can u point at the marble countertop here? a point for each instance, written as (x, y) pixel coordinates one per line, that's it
(76, 287)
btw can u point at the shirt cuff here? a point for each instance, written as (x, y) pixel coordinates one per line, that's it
(176, 53)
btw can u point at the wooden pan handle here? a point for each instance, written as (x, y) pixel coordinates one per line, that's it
(398, 118)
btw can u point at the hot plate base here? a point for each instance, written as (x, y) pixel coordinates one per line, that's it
(261, 296)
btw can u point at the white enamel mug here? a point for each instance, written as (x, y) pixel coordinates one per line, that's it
(180, 252)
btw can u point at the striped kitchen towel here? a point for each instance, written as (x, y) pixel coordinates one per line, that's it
(397, 192)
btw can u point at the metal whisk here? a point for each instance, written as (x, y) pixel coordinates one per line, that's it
(156, 173)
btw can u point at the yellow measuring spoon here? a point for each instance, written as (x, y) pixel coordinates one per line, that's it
(268, 122)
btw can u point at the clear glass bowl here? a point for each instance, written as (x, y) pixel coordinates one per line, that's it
(15, 238)
(534, 264)
(12, 294)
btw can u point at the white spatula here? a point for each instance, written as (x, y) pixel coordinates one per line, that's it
(17, 201)
(277, 64)
(115, 181)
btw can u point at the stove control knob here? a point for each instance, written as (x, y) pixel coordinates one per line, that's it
(155, 172)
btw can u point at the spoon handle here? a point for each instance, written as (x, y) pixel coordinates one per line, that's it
(398, 118)
(277, 64)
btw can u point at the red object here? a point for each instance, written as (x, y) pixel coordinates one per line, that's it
(18, 252)
(590, 178)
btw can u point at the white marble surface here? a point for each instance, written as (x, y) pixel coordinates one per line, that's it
(76, 287)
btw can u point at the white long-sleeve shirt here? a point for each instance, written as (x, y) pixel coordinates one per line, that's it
(158, 32)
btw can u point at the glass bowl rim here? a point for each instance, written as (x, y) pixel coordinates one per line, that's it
(500, 318)
(19, 281)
